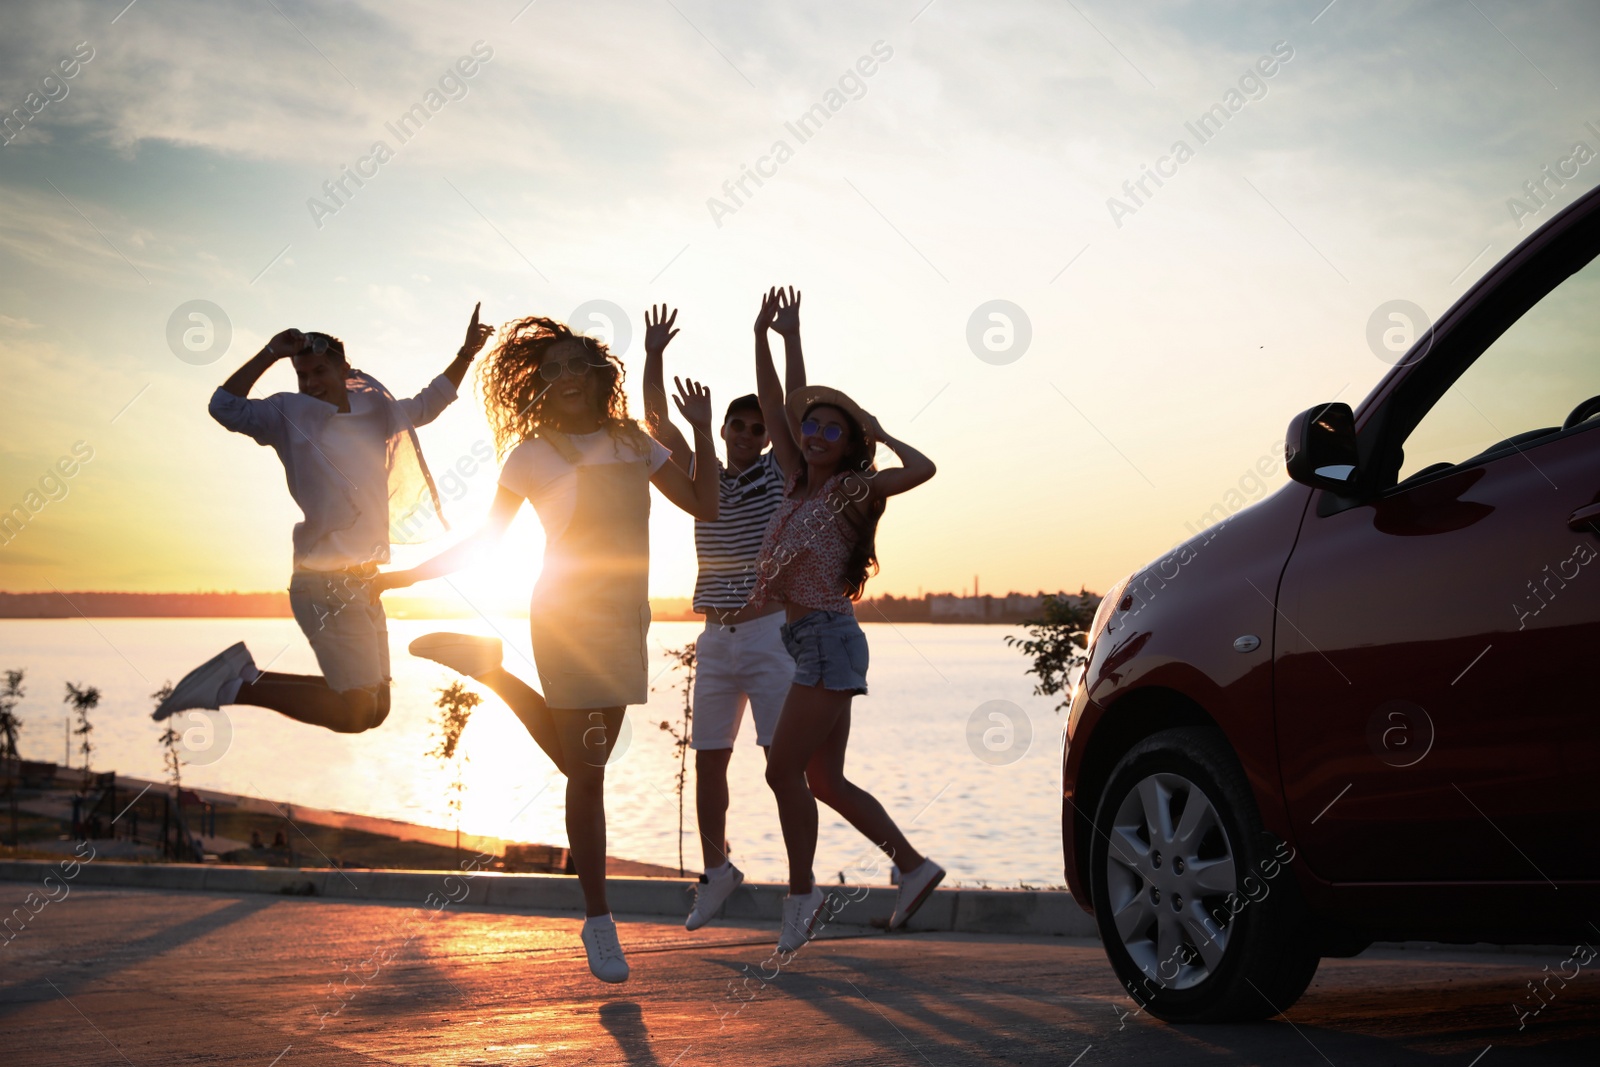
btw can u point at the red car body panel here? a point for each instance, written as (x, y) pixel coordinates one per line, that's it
(1153, 647)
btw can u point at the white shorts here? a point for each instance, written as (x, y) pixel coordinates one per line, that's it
(735, 665)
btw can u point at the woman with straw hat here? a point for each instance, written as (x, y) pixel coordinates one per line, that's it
(817, 554)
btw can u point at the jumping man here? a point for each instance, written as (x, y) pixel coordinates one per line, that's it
(350, 455)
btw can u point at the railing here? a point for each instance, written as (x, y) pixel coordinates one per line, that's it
(108, 812)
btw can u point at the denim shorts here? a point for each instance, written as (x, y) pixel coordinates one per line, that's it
(828, 649)
(348, 632)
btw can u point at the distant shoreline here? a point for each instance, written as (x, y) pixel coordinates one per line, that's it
(1010, 610)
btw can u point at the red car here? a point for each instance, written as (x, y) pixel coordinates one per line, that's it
(1359, 710)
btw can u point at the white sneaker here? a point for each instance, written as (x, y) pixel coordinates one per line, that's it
(915, 887)
(462, 653)
(606, 961)
(201, 687)
(799, 919)
(712, 892)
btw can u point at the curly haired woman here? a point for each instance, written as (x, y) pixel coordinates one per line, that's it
(554, 400)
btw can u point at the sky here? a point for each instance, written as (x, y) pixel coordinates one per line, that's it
(1151, 341)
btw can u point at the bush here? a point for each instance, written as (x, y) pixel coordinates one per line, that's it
(1057, 642)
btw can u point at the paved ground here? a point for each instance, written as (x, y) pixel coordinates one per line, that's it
(139, 977)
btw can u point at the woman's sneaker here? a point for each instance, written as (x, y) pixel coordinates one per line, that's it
(462, 653)
(799, 919)
(203, 686)
(606, 961)
(915, 887)
(713, 892)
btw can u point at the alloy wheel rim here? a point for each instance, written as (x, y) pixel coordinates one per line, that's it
(1170, 874)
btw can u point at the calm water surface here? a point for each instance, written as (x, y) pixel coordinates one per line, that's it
(986, 820)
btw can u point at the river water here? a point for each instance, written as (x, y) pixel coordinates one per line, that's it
(942, 740)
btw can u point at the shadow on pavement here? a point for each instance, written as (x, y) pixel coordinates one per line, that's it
(624, 1021)
(20, 992)
(1397, 1021)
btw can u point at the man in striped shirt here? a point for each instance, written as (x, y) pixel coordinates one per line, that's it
(740, 664)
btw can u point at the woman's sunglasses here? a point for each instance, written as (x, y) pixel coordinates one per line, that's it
(757, 429)
(551, 370)
(830, 433)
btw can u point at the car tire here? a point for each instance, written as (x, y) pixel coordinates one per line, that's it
(1198, 912)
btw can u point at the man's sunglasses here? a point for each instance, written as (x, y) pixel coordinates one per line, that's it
(757, 429)
(320, 343)
(550, 370)
(830, 433)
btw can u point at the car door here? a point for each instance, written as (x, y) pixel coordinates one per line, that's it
(1433, 678)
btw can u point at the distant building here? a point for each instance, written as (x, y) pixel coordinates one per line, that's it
(947, 607)
(1011, 609)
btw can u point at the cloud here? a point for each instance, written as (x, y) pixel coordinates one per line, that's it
(43, 229)
(255, 84)
(17, 557)
(591, 141)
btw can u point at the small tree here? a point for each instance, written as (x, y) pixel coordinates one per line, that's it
(10, 727)
(83, 699)
(169, 743)
(1057, 642)
(683, 660)
(455, 704)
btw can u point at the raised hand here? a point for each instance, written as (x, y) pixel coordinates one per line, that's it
(768, 312)
(787, 319)
(658, 331)
(287, 343)
(694, 403)
(477, 334)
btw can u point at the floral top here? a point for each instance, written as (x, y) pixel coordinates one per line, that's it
(805, 550)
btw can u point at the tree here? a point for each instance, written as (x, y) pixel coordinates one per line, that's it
(1057, 642)
(10, 727)
(83, 699)
(455, 705)
(683, 660)
(169, 743)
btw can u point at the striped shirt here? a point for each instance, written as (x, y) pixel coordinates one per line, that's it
(730, 547)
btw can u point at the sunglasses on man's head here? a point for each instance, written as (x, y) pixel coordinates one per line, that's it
(551, 369)
(738, 425)
(812, 428)
(319, 343)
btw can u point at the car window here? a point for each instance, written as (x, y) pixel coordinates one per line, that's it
(1529, 380)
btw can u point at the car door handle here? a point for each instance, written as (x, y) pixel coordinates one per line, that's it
(1586, 519)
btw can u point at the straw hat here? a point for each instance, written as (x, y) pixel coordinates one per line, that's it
(801, 400)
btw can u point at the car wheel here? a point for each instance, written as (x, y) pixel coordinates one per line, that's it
(1197, 909)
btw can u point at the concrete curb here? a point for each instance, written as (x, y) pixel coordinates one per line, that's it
(1031, 913)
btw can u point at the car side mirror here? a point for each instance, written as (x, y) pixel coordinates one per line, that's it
(1320, 448)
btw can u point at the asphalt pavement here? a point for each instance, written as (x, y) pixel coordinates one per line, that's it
(127, 976)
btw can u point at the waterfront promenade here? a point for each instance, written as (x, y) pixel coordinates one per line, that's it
(149, 976)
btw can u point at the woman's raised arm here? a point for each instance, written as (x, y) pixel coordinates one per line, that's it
(914, 469)
(698, 496)
(501, 512)
(769, 389)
